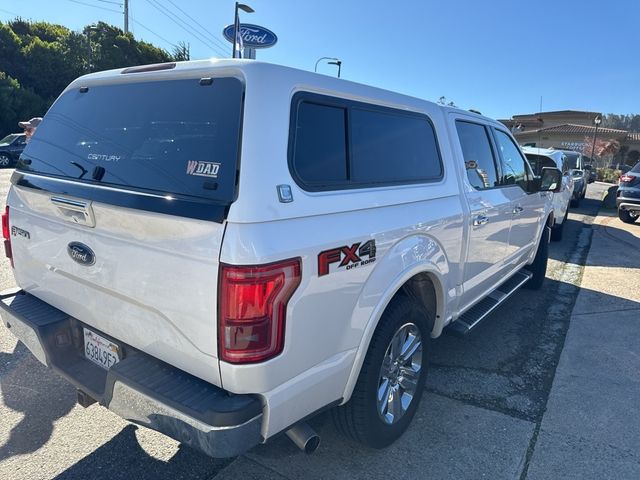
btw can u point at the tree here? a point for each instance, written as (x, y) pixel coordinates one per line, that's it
(629, 122)
(603, 147)
(18, 103)
(39, 59)
(181, 52)
(622, 153)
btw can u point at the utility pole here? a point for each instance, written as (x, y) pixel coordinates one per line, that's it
(126, 16)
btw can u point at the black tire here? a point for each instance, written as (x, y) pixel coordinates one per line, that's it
(575, 202)
(539, 265)
(359, 419)
(557, 230)
(584, 193)
(626, 217)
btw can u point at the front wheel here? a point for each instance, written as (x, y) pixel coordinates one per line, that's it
(539, 266)
(391, 381)
(5, 161)
(558, 230)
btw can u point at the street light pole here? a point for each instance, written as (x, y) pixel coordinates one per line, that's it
(236, 24)
(126, 16)
(338, 63)
(334, 61)
(90, 28)
(597, 122)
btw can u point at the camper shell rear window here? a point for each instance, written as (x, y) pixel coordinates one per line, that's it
(175, 138)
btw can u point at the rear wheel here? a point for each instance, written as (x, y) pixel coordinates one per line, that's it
(5, 161)
(391, 381)
(539, 266)
(626, 216)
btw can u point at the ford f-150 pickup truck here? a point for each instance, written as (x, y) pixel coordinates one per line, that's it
(220, 249)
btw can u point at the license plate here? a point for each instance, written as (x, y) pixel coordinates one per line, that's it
(100, 350)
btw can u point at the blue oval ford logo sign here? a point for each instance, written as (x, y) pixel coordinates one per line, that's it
(80, 253)
(253, 36)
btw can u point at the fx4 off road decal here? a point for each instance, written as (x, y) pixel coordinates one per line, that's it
(349, 257)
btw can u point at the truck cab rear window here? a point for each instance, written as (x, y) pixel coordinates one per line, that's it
(174, 137)
(337, 144)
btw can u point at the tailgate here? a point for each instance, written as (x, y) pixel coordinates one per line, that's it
(121, 197)
(152, 281)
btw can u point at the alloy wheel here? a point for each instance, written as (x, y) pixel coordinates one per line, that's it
(399, 373)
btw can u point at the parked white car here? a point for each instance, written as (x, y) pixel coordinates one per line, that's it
(230, 247)
(577, 164)
(549, 157)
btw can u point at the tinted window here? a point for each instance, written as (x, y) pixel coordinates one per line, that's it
(514, 169)
(174, 137)
(391, 147)
(320, 144)
(343, 144)
(9, 138)
(478, 155)
(572, 160)
(538, 162)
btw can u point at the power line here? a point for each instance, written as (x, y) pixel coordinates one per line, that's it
(111, 2)
(96, 6)
(156, 34)
(10, 13)
(215, 39)
(181, 23)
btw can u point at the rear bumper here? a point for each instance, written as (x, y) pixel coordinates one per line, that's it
(139, 388)
(632, 204)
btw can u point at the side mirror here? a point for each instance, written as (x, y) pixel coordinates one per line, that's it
(551, 180)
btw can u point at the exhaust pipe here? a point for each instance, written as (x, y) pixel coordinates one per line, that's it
(305, 438)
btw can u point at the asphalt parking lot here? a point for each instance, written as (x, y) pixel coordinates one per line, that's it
(480, 417)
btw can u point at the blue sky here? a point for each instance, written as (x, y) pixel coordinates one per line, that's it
(497, 56)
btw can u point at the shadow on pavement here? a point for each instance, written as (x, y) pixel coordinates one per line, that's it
(28, 387)
(122, 457)
(465, 407)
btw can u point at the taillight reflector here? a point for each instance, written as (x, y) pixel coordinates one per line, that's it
(627, 178)
(252, 305)
(6, 234)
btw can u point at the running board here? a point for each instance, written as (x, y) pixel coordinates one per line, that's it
(488, 304)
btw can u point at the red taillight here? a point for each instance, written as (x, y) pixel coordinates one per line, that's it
(6, 234)
(627, 178)
(252, 308)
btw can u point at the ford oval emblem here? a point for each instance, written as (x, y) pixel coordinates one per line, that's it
(253, 36)
(81, 254)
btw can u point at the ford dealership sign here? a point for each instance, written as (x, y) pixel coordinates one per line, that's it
(253, 36)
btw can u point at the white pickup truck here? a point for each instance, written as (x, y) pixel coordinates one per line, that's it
(221, 249)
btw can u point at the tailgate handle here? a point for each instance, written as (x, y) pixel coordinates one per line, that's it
(75, 211)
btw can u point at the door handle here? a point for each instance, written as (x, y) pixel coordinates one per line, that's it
(517, 210)
(480, 220)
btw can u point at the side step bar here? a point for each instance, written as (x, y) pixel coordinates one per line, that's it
(472, 317)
